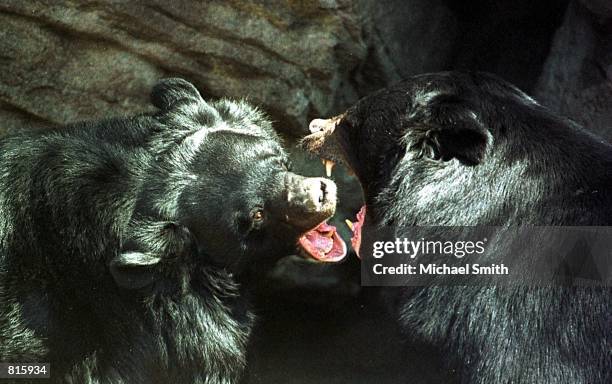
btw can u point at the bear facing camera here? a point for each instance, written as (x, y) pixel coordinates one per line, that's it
(126, 244)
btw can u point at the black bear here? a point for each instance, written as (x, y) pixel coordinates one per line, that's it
(124, 243)
(469, 149)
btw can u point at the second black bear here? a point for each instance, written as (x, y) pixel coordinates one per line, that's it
(469, 149)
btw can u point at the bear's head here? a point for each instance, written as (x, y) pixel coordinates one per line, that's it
(220, 187)
(459, 148)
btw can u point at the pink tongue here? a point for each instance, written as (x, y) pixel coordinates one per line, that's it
(323, 243)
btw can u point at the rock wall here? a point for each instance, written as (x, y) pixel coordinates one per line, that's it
(64, 60)
(576, 80)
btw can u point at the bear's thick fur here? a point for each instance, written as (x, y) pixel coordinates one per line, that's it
(121, 241)
(469, 149)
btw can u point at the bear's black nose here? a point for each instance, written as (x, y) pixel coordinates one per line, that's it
(323, 191)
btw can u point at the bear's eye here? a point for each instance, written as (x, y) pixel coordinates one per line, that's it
(257, 215)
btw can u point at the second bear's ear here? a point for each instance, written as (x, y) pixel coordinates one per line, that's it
(168, 92)
(452, 129)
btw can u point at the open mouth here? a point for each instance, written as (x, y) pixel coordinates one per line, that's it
(323, 143)
(323, 243)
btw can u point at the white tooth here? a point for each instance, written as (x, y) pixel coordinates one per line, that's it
(349, 223)
(329, 165)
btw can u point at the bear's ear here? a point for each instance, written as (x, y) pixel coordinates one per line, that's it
(451, 129)
(134, 270)
(152, 244)
(168, 92)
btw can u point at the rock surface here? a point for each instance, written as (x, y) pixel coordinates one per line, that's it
(577, 78)
(71, 60)
(602, 8)
(67, 60)
(404, 38)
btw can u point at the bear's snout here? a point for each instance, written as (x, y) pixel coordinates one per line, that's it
(310, 200)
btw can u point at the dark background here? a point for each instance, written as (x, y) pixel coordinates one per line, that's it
(63, 61)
